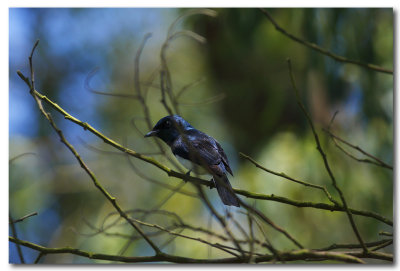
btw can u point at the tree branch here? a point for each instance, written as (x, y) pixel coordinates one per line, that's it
(323, 50)
(294, 255)
(325, 160)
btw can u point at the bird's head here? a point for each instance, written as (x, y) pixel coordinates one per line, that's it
(169, 128)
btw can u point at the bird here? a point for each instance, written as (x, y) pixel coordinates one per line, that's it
(198, 152)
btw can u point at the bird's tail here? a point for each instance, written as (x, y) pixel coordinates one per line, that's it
(225, 191)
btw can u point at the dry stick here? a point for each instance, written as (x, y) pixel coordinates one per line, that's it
(11, 160)
(187, 87)
(214, 234)
(112, 94)
(209, 237)
(372, 255)
(377, 161)
(383, 243)
(207, 101)
(251, 238)
(116, 145)
(14, 235)
(220, 219)
(141, 174)
(136, 80)
(141, 98)
(269, 222)
(267, 243)
(323, 50)
(165, 76)
(191, 179)
(323, 155)
(97, 184)
(186, 177)
(388, 243)
(283, 175)
(79, 159)
(23, 218)
(159, 183)
(316, 205)
(158, 206)
(184, 236)
(385, 233)
(41, 254)
(295, 255)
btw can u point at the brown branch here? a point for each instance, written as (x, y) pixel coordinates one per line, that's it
(220, 219)
(323, 50)
(295, 255)
(385, 233)
(283, 175)
(22, 218)
(380, 244)
(11, 160)
(79, 159)
(376, 161)
(316, 205)
(189, 178)
(325, 160)
(15, 235)
(269, 222)
(112, 94)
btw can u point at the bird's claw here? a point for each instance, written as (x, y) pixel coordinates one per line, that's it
(187, 174)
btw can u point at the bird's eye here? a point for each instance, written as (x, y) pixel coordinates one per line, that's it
(167, 124)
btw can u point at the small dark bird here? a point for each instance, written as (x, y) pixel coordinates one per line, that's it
(198, 152)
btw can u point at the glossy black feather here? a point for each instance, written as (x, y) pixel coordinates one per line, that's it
(199, 148)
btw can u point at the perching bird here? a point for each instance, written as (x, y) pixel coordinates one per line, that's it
(198, 152)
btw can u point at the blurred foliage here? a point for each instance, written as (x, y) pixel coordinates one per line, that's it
(245, 59)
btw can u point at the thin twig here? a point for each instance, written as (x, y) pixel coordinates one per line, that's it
(295, 255)
(15, 235)
(11, 160)
(23, 218)
(283, 175)
(79, 159)
(325, 160)
(112, 94)
(323, 50)
(376, 161)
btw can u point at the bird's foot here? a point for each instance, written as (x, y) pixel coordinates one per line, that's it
(187, 174)
(212, 180)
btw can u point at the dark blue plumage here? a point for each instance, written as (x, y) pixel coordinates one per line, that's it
(200, 150)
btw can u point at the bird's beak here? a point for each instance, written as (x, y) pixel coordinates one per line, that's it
(151, 133)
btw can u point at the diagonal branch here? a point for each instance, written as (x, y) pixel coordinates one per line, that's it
(376, 161)
(79, 159)
(22, 218)
(283, 175)
(325, 160)
(323, 50)
(189, 178)
(316, 205)
(294, 255)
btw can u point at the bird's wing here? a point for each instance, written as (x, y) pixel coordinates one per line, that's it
(203, 150)
(224, 157)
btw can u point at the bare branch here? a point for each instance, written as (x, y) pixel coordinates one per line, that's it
(376, 161)
(325, 160)
(323, 50)
(23, 218)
